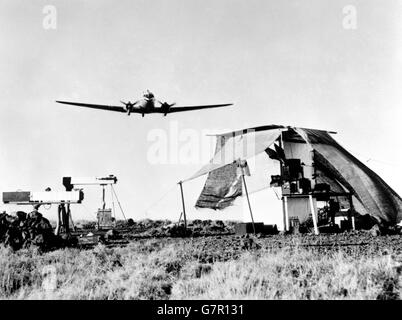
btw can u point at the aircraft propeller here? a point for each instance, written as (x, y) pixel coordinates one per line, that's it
(129, 105)
(166, 106)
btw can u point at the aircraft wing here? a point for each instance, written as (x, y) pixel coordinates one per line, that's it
(95, 106)
(190, 108)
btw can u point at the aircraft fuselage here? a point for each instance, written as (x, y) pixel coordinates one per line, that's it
(145, 105)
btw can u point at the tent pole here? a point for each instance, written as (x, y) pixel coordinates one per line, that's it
(352, 212)
(248, 199)
(182, 202)
(118, 201)
(285, 198)
(286, 212)
(313, 214)
(181, 214)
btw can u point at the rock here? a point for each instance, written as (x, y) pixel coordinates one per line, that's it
(169, 226)
(147, 223)
(197, 222)
(112, 234)
(35, 215)
(178, 231)
(206, 222)
(89, 225)
(219, 223)
(21, 215)
(202, 269)
(167, 288)
(68, 240)
(215, 228)
(39, 240)
(22, 230)
(249, 244)
(44, 225)
(375, 231)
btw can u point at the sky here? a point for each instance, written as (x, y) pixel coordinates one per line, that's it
(280, 62)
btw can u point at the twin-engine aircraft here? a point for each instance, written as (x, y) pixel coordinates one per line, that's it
(147, 104)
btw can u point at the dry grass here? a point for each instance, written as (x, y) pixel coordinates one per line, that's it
(299, 275)
(135, 272)
(157, 269)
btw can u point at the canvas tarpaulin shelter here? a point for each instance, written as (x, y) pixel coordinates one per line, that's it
(375, 196)
(224, 183)
(338, 168)
(238, 147)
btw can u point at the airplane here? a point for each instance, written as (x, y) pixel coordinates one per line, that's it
(147, 104)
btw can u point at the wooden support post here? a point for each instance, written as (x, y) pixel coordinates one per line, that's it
(313, 214)
(68, 213)
(248, 199)
(183, 204)
(64, 218)
(71, 219)
(286, 212)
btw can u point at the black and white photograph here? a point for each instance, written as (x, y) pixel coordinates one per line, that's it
(217, 151)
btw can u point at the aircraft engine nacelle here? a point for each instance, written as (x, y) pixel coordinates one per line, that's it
(129, 107)
(165, 108)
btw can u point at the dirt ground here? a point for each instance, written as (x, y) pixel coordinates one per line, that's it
(216, 240)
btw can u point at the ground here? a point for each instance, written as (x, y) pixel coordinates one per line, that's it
(350, 265)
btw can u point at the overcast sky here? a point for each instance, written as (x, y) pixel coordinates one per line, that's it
(279, 62)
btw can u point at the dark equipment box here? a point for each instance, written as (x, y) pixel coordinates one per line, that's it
(88, 240)
(247, 227)
(292, 169)
(105, 219)
(17, 196)
(270, 229)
